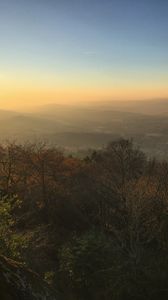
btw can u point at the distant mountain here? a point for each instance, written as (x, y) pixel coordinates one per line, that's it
(90, 126)
(147, 107)
(5, 114)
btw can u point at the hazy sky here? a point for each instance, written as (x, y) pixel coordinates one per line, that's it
(76, 50)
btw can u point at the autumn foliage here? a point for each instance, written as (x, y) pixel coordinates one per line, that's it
(96, 228)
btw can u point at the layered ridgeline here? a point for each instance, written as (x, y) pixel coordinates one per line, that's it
(77, 128)
(19, 283)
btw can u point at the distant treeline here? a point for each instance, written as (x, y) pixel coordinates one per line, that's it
(94, 228)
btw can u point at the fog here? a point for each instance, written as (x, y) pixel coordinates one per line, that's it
(90, 125)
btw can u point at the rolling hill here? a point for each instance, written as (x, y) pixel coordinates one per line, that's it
(82, 127)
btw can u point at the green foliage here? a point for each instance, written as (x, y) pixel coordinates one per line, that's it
(6, 222)
(86, 264)
(91, 267)
(11, 243)
(49, 277)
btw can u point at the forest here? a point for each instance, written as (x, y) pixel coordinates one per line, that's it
(94, 228)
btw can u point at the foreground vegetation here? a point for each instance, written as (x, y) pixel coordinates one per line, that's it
(93, 228)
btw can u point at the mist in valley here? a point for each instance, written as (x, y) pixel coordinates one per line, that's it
(90, 125)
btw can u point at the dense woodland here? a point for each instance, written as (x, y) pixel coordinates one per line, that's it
(93, 228)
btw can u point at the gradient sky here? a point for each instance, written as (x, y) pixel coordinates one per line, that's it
(82, 50)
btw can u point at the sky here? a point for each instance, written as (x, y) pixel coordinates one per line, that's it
(69, 51)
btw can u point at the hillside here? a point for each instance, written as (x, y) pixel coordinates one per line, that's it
(91, 227)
